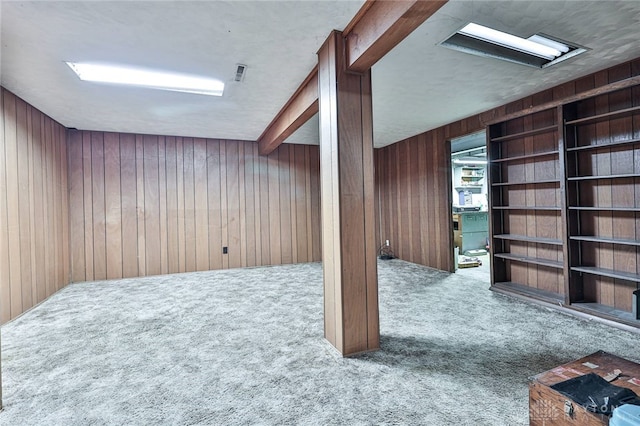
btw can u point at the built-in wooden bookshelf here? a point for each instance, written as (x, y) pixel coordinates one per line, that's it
(602, 137)
(565, 204)
(526, 205)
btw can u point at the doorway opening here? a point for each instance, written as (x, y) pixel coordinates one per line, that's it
(470, 206)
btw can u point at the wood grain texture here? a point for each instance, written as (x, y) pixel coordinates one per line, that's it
(414, 200)
(165, 204)
(128, 208)
(381, 26)
(113, 205)
(34, 200)
(201, 204)
(347, 186)
(98, 206)
(302, 105)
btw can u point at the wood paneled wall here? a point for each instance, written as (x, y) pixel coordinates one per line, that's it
(147, 205)
(414, 199)
(413, 176)
(34, 242)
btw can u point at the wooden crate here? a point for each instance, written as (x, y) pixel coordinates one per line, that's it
(549, 407)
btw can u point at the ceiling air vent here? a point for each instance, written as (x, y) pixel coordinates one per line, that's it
(240, 71)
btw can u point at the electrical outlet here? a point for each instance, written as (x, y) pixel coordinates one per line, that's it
(386, 243)
(225, 250)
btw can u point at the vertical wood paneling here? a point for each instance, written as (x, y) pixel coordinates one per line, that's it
(129, 199)
(242, 206)
(88, 206)
(274, 206)
(262, 203)
(5, 276)
(162, 188)
(224, 213)
(151, 205)
(298, 189)
(98, 204)
(252, 231)
(307, 183)
(24, 205)
(213, 193)
(39, 230)
(189, 206)
(314, 155)
(232, 210)
(64, 185)
(60, 194)
(284, 197)
(113, 205)
(34, 258)
(413, 185)
(140, 203)
(165, 204)
(173, 265)
(182, 244)
(201, 204)
(49, 263)
(13, 199)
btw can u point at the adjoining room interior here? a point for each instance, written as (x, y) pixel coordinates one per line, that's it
(470, 205)
(209, 254)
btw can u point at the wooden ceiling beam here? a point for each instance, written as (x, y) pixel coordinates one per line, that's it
(298, 110)
(384, 25)
(377, 28)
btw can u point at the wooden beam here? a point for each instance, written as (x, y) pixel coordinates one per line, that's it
(382, 27)
(348, 208)
(377, 28)
(298, 110)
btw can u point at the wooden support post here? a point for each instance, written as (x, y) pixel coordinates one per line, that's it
(347, 190)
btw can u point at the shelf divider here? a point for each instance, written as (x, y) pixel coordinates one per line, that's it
(523, 290)
(535, 208)
(603, 272)
(525, 157)
(533, 260)
(605, 209)
(525, 134)
(537, 182)
(603, 145)
(620, 241)
(600, 117)
(621, 176)
(527, 239)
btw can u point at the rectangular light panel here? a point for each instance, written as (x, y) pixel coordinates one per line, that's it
(539, 50)
(161, 80)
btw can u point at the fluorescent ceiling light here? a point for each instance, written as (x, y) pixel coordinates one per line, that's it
(161, 80)
(537, 38)
(470, 161)
(511, 41)
(539, 50)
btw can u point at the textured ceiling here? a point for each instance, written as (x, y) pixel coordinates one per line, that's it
(418, 86)
(277, 40)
